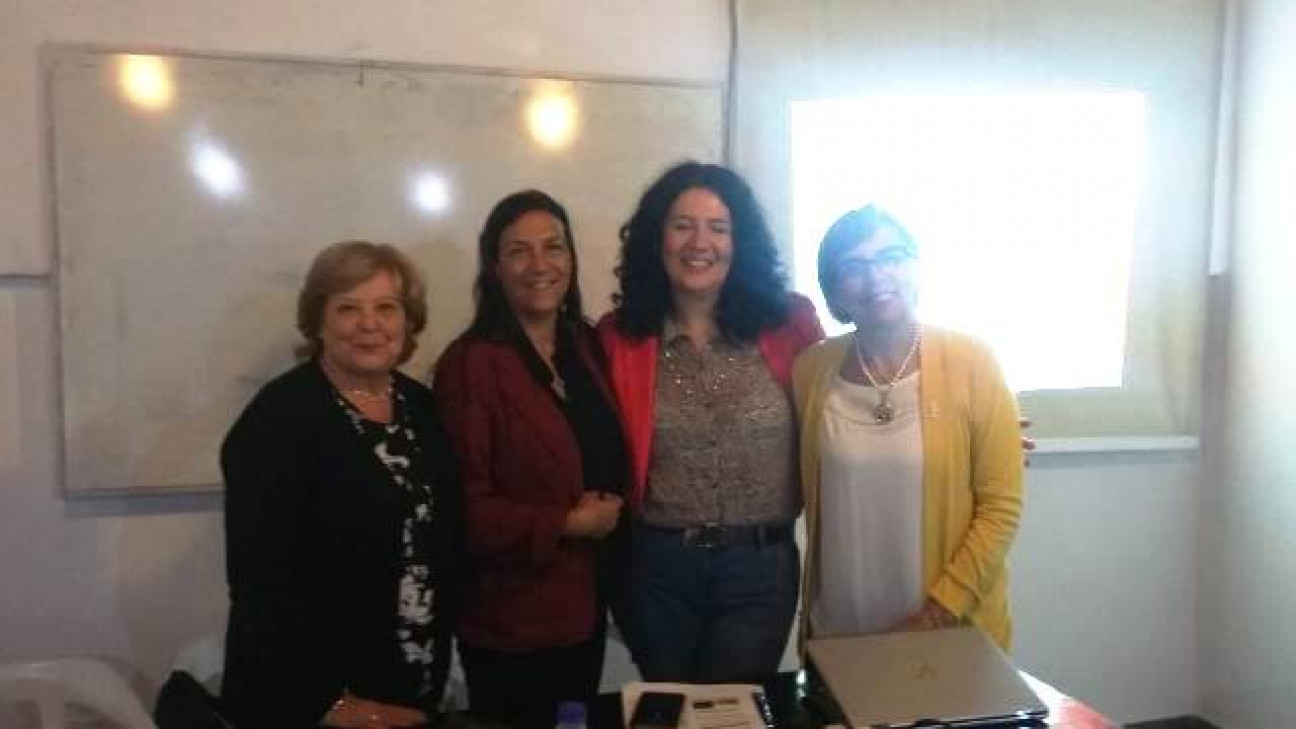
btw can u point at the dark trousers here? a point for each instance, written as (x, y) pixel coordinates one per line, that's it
(523, 689)
(710, 613)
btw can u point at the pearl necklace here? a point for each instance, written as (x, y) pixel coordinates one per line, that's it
(884, 412)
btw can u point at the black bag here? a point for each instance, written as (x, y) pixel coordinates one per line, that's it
(183, 703)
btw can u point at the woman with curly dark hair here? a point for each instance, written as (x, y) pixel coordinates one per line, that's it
(700, 350)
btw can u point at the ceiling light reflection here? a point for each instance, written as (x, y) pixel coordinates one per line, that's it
(216, 168)
(552, 115)
(146, 82)
(430, 193)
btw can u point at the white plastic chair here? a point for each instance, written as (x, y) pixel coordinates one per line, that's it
(204, 659)
(53, 685)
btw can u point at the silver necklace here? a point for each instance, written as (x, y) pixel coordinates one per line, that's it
(884, 412)
(557, 384)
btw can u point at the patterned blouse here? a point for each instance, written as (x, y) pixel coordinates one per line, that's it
(724, 439)
(396, 445)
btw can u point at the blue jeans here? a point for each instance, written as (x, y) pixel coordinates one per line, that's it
(710, 614)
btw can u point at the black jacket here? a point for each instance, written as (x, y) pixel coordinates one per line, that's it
(312, 529)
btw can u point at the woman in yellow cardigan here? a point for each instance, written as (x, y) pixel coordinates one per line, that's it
(910, 453)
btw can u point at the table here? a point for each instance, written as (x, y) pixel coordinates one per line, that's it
(791, 698)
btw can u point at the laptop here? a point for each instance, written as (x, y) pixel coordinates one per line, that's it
(953, 677)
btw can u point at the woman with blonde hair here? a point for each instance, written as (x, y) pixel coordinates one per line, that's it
(342, 515)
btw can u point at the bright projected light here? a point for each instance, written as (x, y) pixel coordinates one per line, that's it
(1024, 206)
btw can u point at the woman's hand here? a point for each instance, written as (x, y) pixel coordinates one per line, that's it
(931, 616)
(353, 712)
(1027, 443)
(595, 515)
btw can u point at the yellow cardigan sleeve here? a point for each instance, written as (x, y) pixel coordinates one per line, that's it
(975, 565)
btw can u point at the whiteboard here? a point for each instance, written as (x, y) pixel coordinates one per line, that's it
(10, 391)
(185, 227)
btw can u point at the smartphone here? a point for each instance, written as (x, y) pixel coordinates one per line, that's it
(657, 710)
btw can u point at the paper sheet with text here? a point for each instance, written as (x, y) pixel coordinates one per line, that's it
(706, 706)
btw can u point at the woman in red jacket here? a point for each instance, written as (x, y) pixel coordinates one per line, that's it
(523, 398)
(700, 349)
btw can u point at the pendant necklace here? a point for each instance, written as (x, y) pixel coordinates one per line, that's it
(558, 385)
(550, 360)
(884, 411)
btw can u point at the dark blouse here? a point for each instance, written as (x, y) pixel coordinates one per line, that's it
(592, 419)
(396, 446)
(597, 429)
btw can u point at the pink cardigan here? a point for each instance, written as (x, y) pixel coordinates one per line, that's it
(632, 369)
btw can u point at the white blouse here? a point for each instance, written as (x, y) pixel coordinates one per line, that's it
(870, 510)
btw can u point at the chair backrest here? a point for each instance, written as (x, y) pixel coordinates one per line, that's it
(53, 685)
(204, 659)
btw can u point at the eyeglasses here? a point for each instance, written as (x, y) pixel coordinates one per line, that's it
(887, 260)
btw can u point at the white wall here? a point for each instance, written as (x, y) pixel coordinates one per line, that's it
(1103, 583)
(1248, 516)
(1104, 580)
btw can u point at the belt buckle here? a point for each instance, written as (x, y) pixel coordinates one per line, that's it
(707, 536)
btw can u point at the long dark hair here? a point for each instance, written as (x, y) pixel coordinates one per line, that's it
(494, 318)
(754, 296)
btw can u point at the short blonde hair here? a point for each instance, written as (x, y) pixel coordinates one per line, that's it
(343, 266)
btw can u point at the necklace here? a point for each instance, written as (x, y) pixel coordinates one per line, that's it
(558, 385)
(548, 353)
(369, 395)
(358, 394)
(556, 382)
(884, 412)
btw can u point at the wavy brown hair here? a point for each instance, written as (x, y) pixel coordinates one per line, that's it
(344, 266)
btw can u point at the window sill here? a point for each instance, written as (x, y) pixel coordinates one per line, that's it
(1123, 444)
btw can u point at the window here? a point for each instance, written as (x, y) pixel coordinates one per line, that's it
(1055, 164)
(1024, 206)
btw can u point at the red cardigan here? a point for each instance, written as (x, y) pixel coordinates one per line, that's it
(526, 586)
(632, 365)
